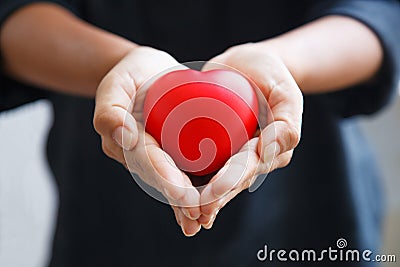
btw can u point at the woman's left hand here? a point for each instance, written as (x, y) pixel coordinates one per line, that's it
(273, 147)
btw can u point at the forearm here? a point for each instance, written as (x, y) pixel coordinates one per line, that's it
(45, 45)
(329, 54)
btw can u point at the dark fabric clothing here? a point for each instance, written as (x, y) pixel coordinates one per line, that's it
(330, 190)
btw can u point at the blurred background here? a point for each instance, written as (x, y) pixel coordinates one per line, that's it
(28, 197)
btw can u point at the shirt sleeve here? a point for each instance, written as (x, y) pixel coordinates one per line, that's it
(383, 18)
(14, 93)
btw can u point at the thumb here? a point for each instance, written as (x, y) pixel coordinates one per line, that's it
(113, 111)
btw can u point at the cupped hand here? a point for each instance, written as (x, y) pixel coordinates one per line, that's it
(118, 119)
(274, 145)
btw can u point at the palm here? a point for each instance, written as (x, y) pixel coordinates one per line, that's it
(273, 148)
(119, 103)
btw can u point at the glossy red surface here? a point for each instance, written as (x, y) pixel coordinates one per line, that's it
(201, 118)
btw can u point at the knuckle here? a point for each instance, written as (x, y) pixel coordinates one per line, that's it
(293, 137)
(106, 120)
(233, 49)
(99, 120)
(106, 149)
(285, 162)
(285, 159)
(164, 54)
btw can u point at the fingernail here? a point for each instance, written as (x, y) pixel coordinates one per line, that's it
(270, 151)
(187, 214)
(190, 235)
(184, 232)
(194, 217)
(210, 224)
(123, 137)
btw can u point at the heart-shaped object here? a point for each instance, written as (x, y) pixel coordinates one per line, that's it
(201, 118)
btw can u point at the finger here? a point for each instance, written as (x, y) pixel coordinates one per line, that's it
(156, 168)
(189, 227)
(175, 185)
(112, 117)
(286, 105)
(236, 174)
(115, 97)
(277, 138)
(207, 221)
(178, 215)
(282, 160)
(112, 150)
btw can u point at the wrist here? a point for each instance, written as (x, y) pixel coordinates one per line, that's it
(113, 51)
(285, 53)
(65, 53)
(329, 54)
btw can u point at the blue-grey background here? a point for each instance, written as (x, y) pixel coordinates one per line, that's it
(28, 197)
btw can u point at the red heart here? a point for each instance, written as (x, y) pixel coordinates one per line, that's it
(201, 118)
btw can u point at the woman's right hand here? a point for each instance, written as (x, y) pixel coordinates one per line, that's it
(118, 119)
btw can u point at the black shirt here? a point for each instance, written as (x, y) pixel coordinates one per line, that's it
(329, 191)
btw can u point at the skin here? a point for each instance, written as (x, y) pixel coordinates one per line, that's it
(68, 55)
